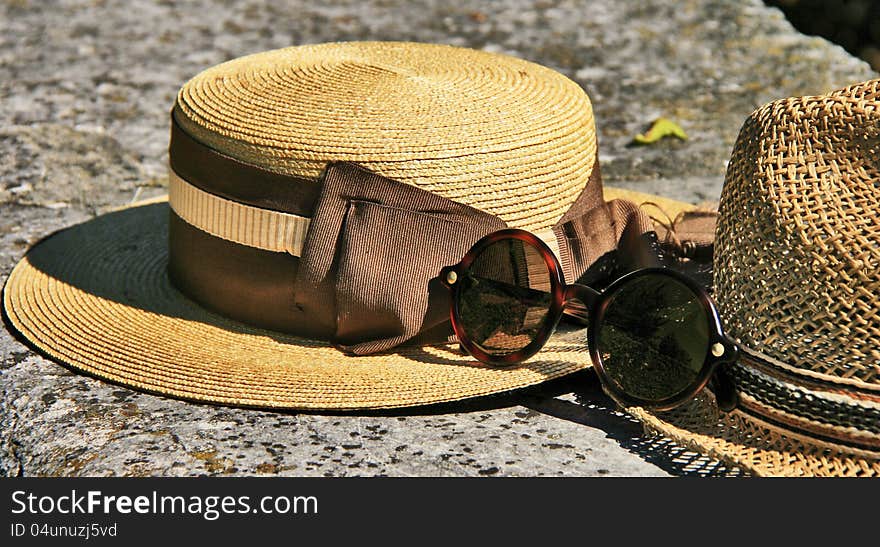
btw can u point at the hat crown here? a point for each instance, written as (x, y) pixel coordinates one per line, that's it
(504, 135)
(798, 241)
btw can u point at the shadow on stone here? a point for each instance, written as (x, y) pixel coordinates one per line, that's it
(595, 409)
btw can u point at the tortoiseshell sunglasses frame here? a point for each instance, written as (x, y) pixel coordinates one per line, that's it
(589, 306)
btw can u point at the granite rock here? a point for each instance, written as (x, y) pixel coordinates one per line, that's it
(86, 87)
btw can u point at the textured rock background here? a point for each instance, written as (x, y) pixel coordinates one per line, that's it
(85, 91)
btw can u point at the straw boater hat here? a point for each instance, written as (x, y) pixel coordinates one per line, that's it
(315, 194)
(797, 282)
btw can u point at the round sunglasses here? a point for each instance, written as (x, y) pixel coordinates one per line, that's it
(654, 335)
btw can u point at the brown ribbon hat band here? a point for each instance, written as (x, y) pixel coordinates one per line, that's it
(351, 258)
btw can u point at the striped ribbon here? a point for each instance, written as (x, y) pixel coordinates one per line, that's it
(253, 226)
(233, 221)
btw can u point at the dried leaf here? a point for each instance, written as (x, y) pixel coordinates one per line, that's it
(662, 127)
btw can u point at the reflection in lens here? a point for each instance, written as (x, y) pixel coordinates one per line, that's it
(654, 337)
(505, 297)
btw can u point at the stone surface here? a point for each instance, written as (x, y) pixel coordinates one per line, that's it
(85, 90)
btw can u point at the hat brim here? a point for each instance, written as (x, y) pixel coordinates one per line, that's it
(761, 448)
(96, 297)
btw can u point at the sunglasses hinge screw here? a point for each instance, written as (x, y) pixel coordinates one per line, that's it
(717, 349)
(451, 277)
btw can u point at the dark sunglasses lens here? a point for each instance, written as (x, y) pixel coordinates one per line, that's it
(505, 297)
(654, 337)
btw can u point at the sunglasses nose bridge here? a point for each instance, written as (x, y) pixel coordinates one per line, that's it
(589, 297)
(579, 300)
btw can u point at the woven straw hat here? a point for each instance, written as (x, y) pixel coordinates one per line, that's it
(500, 135)
(797, 282)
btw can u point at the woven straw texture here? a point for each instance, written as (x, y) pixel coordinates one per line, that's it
(754, 445)
(798, 243)
(501, 134)
(797, 280)
(96, 297)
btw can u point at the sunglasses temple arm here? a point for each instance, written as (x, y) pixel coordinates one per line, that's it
(722, 386)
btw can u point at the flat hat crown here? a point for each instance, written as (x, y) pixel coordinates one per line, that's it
(504, 135)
